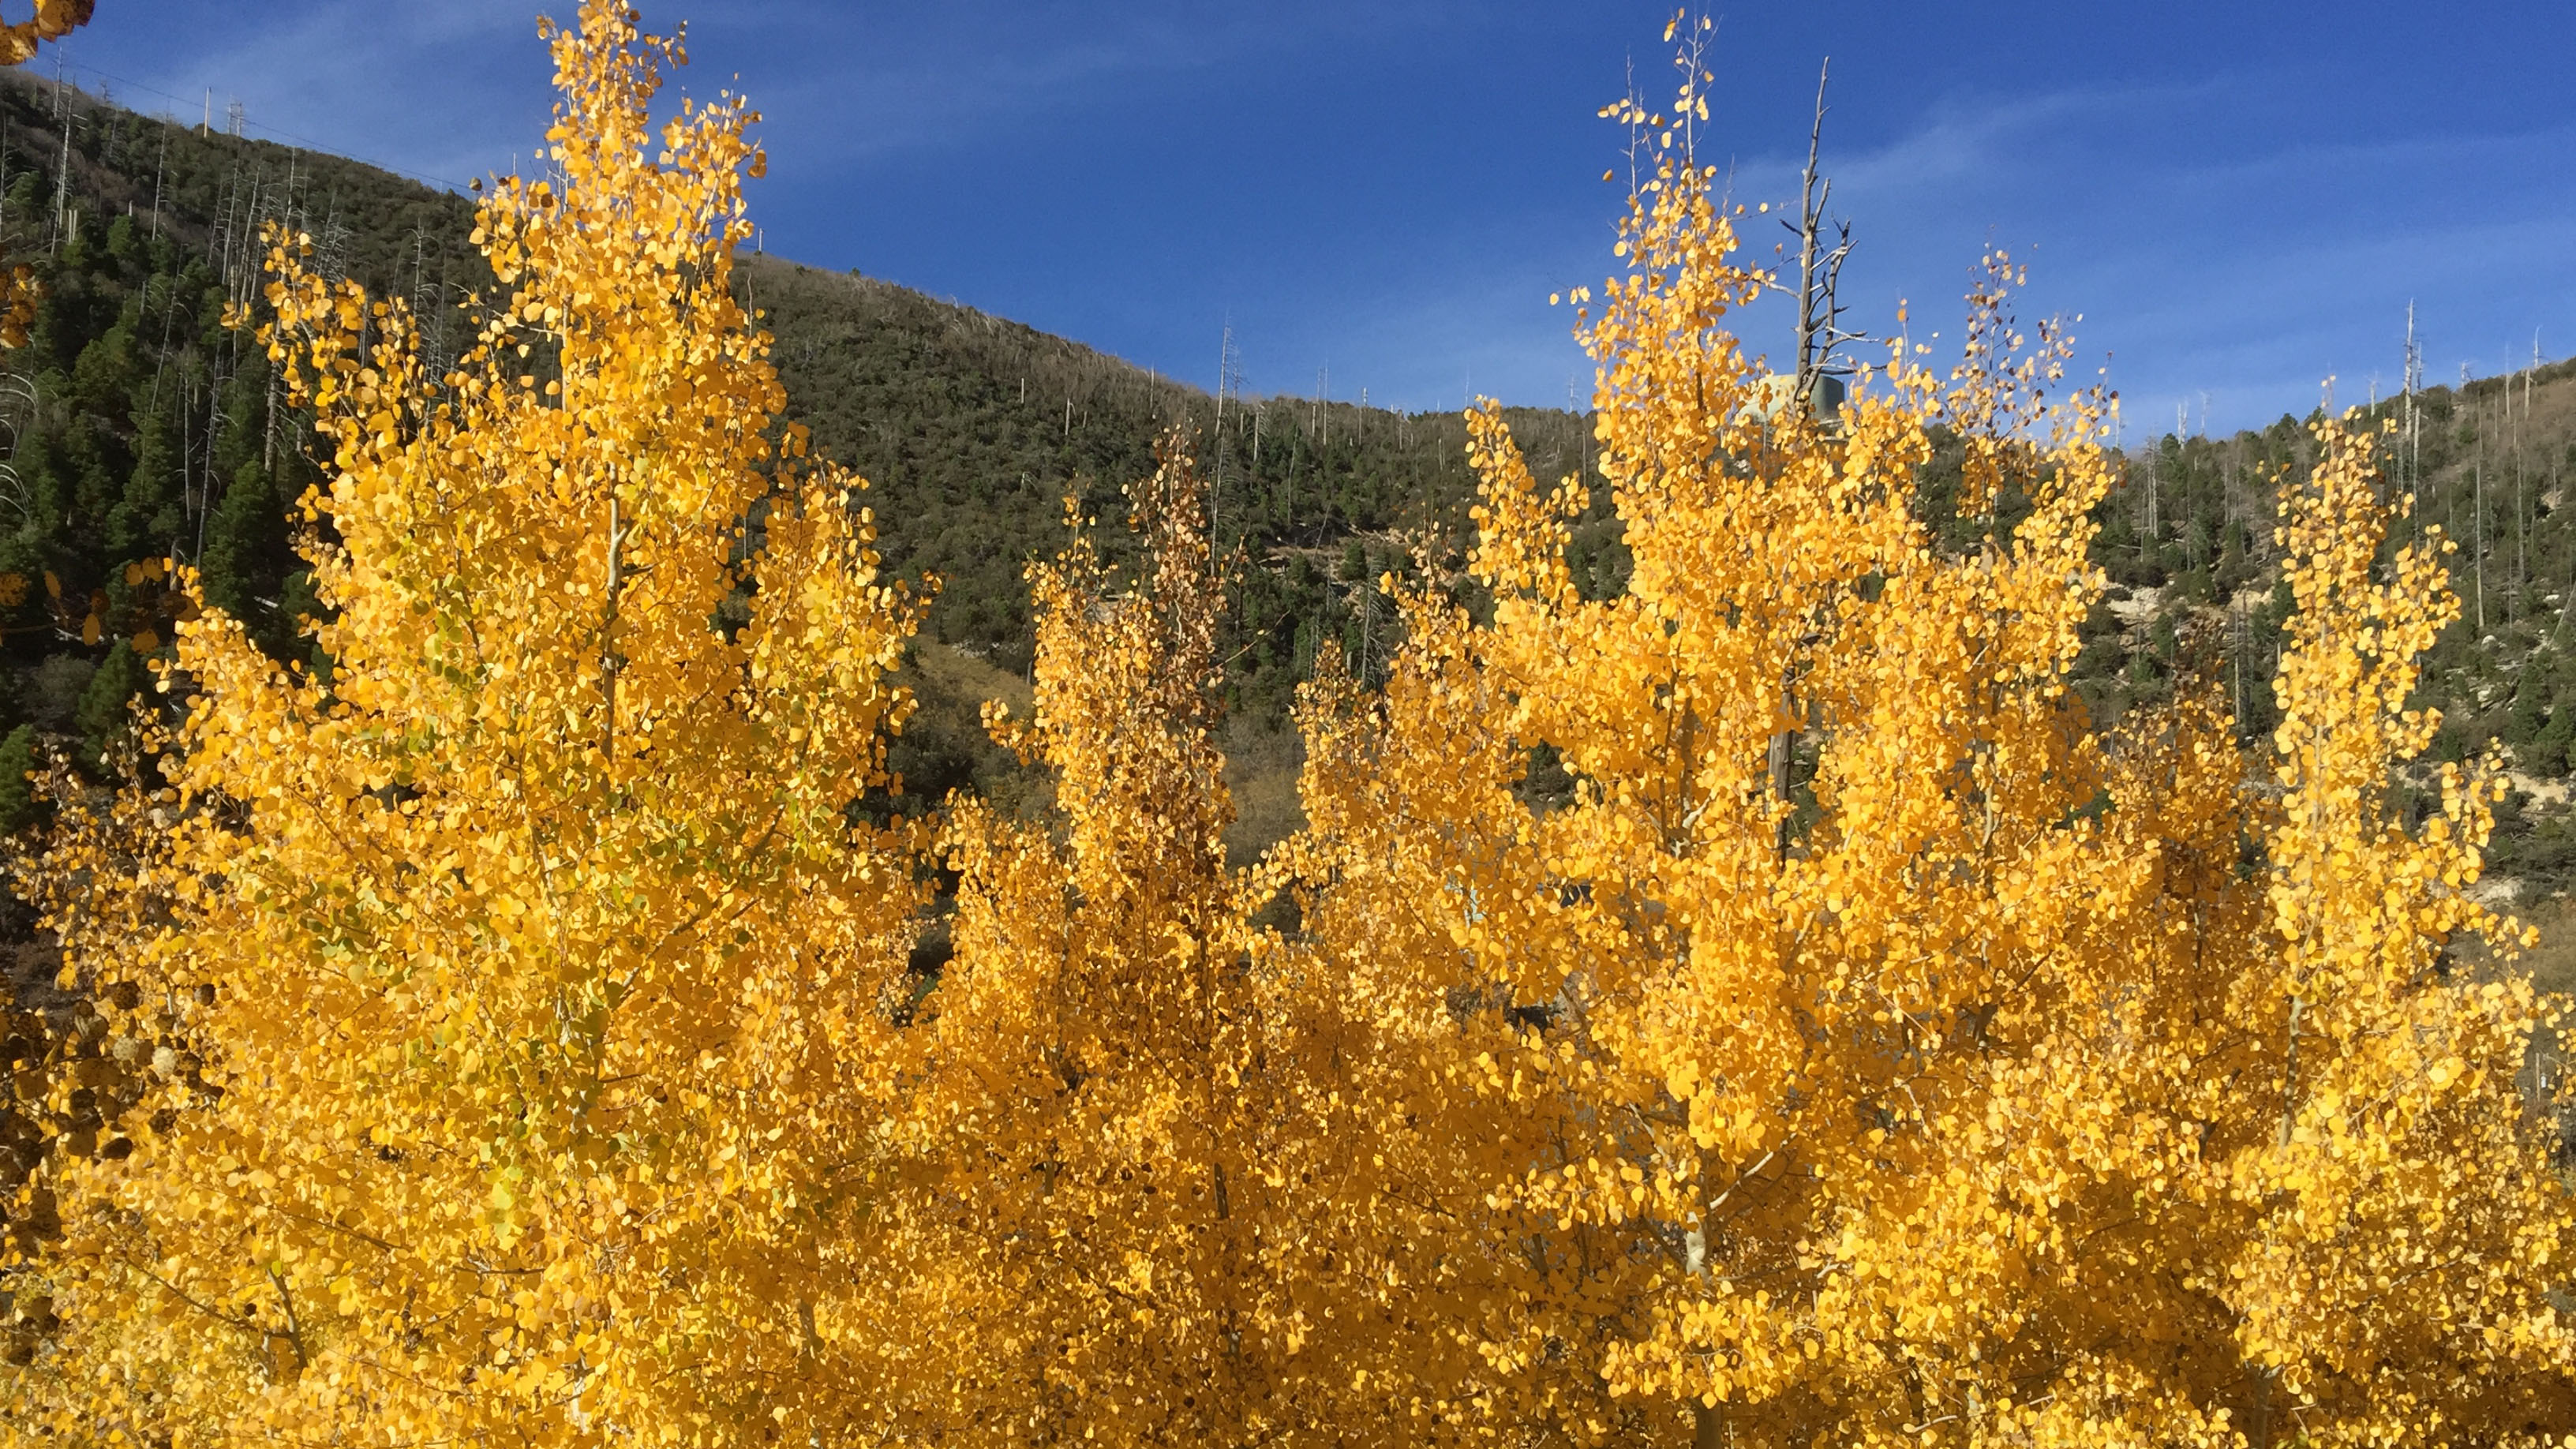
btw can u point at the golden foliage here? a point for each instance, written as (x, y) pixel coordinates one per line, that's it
(1084, 1224)
(1162, 1189)
(1993, 1081)
(502, 997)
(505, 1032)
(19, 294)
(53, 20)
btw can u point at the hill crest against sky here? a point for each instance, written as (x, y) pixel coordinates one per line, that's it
(973, 428)
(2240, 200)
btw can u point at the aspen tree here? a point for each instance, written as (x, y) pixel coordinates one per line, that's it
(1172, 1180)
(2002, 1102)
(1083, 1224)
(501, 998)
(1121, 1224)
(2402, 1226)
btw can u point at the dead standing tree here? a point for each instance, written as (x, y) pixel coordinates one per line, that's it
(1823, 245)
(1822, 248)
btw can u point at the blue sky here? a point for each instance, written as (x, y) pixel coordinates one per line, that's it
(2240, 199)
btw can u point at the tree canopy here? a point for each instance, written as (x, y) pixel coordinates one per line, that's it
(1747, 996)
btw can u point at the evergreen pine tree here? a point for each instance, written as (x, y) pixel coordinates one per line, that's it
(102, 717)
(17, 798)
(150, 516)
(247, 554)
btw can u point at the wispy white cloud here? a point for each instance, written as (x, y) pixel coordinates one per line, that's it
(2248, 267)
(456, 88)
(2233, 278)
(441, 90)
(865, 85)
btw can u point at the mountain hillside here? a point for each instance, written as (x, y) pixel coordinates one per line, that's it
(136, 427)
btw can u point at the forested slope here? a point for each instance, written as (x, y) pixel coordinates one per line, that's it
(138, 427)
(973, 429)
(2189, 547)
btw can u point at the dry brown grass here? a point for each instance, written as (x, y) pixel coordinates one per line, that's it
(1261, 760)
(2551, 965)
(961, 675)
(1261, 765)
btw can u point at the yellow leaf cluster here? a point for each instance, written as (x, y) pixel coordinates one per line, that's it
(504, 1032)
(497, 1002)
(52, 20)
